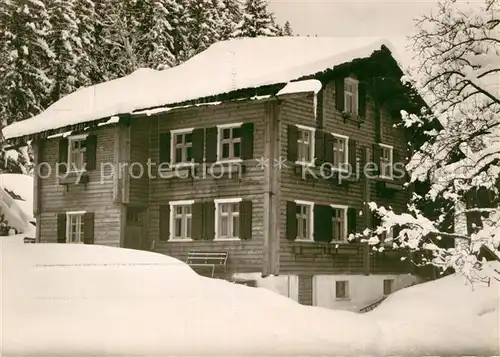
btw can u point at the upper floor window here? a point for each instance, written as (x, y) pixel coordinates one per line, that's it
(229, 143)
(386, 161)
(76, 152)
(351, 95)
(181, 219)
(340, 154)
(74, 227)
(227, 218)
(304, 219)
(339, 221)
(305, 144)
(182, 146)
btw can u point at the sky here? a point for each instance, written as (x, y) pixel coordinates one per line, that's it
(390, 19)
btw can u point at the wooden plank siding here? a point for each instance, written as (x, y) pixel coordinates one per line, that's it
(244, 255)
(299, 109)
(95, 196)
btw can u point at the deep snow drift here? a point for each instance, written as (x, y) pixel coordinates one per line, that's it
(94, 300)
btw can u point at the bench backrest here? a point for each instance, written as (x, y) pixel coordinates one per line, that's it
(208, 258)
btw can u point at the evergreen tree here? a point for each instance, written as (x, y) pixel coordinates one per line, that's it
(66, 45)
(287, 29)
(205, 21)
(157, 42)
(87, 69)
(256, 21)
(231, 15)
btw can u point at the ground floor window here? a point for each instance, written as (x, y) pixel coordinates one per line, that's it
(342, 289)
(74, 228)
(388, 286)
(180, 218)
(227, 218)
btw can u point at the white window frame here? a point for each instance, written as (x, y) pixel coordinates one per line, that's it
(345, 208)
(218, 201)
(70, 214)
(391, 148)
(346, 151)
(71, 139)
(355, 83)
(173, 134)
(311, 221)
(220, 128)
(172, 205)
(312, 145)
(348, 289)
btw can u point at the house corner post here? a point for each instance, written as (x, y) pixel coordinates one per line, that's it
(366, 213)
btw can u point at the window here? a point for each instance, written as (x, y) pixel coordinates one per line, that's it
(339, 221)
(74, 227)
(76, 152)
(305, 144)
(388, 286)
(304, 215)
(340, 158)
(229, 147)
(134, 216)
(227, 218)
(182, 146)
(386, 161)
(351, 95)
(342, 289)
(180, 220)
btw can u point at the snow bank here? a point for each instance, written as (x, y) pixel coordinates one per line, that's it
(18, 210)
(82, 300)
(442, 314)
(95, 300)
(225, 66)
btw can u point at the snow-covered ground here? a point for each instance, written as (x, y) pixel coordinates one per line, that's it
(95, 300)
(16, 202)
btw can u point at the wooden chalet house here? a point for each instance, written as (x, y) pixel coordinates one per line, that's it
(225, 190)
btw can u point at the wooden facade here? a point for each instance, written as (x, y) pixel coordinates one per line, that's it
(126, 196)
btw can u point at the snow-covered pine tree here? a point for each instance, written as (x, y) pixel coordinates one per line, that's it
(24, 86)
(66, 45)
(204, 26)
(457, 74)
(157, 40)
(231, 15)
(256, 20)
(287, 29)
(87, 69)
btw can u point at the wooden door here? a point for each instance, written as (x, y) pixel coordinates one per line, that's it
(135, 228)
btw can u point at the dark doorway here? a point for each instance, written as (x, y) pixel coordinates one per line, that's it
(135, 228)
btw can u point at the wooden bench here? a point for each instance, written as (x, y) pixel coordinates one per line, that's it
(207, 259)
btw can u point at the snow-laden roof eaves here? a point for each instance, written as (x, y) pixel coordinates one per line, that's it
(224, 67)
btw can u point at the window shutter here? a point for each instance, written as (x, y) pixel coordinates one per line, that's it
(209, 220)
(362, 99)
(197, 220)
(164, 147)
(328, 146)
(63, 155)
(246, 219)
(91, 152)
(198, 145)
(61, 228)
(291, 220)
(88, 228)
(247, 141)
(339, 94)
(352, 214)
(322, 223)
(293, 136)
(396, 157)
(212, 144)
(319, 146)
(165, 222)
(352, 153)
(376, 152)
(319, 109)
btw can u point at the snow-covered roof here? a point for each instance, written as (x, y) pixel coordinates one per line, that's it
(224, 67)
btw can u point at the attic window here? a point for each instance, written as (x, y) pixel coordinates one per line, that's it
(351, 95)
(76, 152)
